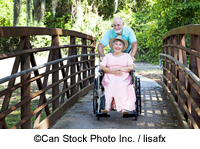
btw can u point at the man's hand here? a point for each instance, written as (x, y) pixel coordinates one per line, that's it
(134, 50)
(133, 59)
(100, 50)
(101, 58)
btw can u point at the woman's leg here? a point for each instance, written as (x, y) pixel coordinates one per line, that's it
(108, 106)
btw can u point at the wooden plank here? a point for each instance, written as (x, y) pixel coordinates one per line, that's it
(40, 86)
(197, 88)
(188, 29)
(93, 58)
(84, 51)
(31, 31)
(41, 107)
(174, 71)
(188, 96)
(195, 45)
(168, 51)
(55, 75)
(185, 49)
(73, 51)
(183, 59)
(64, 74)
(31, 51)
(191, 118)
(47, 122)
(11, 82)
(176, 108)
(164, 62)
(25, 90)
(43, 96)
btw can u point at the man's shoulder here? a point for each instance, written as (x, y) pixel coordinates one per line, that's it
(110, 31)
(128, 29)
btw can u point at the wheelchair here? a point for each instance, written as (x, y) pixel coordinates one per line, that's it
(99, 97)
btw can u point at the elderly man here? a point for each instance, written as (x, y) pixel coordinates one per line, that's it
(119, 30)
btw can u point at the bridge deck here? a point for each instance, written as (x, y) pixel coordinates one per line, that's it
(156, 113)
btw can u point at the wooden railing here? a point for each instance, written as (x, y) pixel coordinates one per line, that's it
(76, 79)
(181, 72)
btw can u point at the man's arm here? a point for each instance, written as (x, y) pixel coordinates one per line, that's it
(100, 50)
(134, 49)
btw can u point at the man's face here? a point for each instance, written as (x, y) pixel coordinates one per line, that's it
(117, 25)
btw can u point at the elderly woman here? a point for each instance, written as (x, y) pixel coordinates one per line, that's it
(117, 80)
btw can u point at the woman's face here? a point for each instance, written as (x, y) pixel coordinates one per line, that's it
(118, 46)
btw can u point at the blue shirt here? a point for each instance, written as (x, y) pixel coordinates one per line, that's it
(127, 34)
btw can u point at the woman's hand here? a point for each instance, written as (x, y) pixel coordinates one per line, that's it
(116, 72)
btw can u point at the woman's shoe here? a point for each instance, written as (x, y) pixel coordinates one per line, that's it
(124, 112)
(108, 106)
(104, 111)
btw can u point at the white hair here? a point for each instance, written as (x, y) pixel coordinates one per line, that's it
(118, 18)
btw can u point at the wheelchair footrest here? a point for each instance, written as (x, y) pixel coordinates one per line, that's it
(102, 114)
(134, 114)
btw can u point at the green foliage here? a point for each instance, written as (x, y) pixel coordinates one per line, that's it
(150, 19)
(6, 15)
(163, 16)
(62, 14)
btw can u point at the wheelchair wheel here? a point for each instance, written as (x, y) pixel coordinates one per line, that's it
(95, 95)
(138, 95)
(136, 92)
(136, 117)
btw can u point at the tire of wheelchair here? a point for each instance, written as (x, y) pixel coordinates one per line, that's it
(95, 95)
(138, 94)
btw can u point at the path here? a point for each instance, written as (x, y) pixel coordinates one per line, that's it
(156, 113)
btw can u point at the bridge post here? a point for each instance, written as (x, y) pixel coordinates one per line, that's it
(182, 57)
(92, 62)
(194, 67)
(25, 90)
(55, 75)
(73, 51)
(84, 51)
(174, 70)
(168, 66)
(164, 62)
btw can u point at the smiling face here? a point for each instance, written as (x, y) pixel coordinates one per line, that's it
(118, 46)
(118, 25)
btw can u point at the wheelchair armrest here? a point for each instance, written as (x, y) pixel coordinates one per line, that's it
(132, 72)
(101, 72)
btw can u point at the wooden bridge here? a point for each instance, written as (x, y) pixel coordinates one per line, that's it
(181, 73)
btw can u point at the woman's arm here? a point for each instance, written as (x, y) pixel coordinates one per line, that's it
(105, 69)
(108, 70)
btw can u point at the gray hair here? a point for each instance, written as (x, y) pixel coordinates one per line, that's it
(118, 18)
(118, 40)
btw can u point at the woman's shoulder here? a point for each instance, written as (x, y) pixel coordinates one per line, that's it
(108, 54)
(127, 54)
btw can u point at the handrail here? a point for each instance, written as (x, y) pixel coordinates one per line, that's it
(187, 29)
(181, 72)
(188, 71)
(192, 52)
(39, 67)
(28, 51)
(32, 31)
(69, 81)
